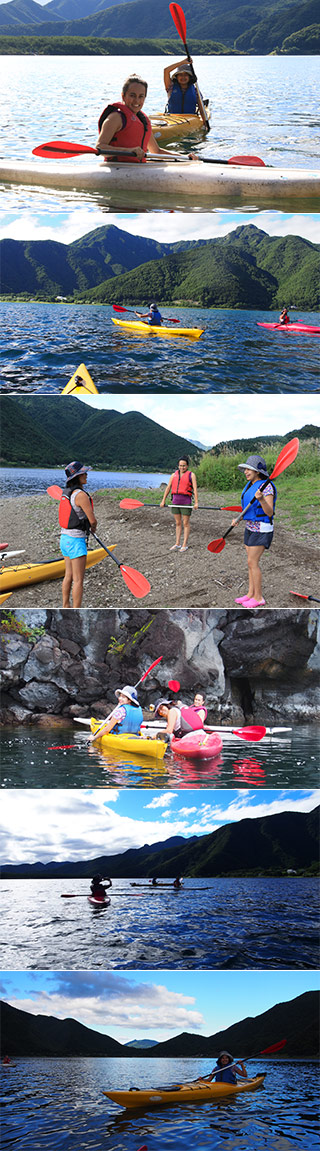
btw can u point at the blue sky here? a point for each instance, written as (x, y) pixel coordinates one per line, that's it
(214, 419)
(45, 222)
(153, 1005)
(40, 824)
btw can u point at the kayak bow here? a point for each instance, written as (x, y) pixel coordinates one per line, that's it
(136, 744)
(23, 574)
(84, 388)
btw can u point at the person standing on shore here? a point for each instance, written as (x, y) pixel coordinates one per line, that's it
(76, 518)
(183, 485)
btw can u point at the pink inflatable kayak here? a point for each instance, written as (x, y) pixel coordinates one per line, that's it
(198, 744)
(309, 329)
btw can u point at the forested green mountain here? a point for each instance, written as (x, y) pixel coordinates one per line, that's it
(245, 269)
(27, 1034)
(44, 431)
(263, 25)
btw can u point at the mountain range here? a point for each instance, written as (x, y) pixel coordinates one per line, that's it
(260, 28)
(245, 269)
(24, 1034)
(289, 840)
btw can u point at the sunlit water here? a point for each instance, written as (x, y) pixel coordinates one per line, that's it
(263, 106)
(231, 923)
(61, 757)
(58, 1103)
(41, 344)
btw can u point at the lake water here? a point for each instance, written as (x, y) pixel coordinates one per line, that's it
(230, 924)
(32, 757)
(41, 345)
(58, 1103)
(34, 481)
(265, 106)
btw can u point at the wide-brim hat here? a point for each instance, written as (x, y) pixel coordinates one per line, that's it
(129, 692)
(221, 1053)
(185, 68)
(76, 469)
(163, 703)
(257, 464)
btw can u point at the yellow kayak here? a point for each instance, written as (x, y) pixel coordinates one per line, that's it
(5, 596)
(137, 326)
(175, 126)
(77, 388)
(23, 574)
(198, 1092)
(155, 748)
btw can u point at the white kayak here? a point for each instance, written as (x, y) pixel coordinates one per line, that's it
(170, 183)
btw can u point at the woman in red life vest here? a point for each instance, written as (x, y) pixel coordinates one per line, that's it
(76, 517)
(124, 125)
(183, 485)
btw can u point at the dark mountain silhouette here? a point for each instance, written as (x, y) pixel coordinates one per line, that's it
(297, 1021)
(281, 842)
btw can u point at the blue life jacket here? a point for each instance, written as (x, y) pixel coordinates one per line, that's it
(227, 1075)
(182, 101)
(255, 512)
(155, 318)
(132, 720)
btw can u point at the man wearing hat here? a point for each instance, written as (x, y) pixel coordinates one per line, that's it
(258, 508)
(179, 82)
(127, 716)
(76, 518)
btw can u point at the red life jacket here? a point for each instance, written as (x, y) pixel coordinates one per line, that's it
(68, 518)
(182, 485)
(190, 720)
(135, 131)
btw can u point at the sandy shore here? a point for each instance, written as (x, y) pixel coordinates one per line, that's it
(144, 537)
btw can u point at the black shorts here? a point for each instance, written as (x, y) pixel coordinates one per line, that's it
(257, 539)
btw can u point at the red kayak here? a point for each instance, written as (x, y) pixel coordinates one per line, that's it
(198, 744)
(94, 902)
(309, 329)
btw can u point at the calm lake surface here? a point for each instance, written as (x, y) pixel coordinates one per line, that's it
(33, 757)
(230, 923)
(58, 1103)
(42, 344)
(34, 481)
(264, 106)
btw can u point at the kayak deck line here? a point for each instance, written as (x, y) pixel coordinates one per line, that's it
(165, 181)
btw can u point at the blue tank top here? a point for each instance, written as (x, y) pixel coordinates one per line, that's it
(255, 512)
(132, 720)
(182, 101)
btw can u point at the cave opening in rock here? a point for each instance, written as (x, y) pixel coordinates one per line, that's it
(243, 694)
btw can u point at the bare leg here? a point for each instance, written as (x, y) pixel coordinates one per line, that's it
(78, 570)
(255, 576)
(66, 583)
(178, 523)
(186, 529)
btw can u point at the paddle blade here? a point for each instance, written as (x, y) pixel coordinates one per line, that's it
(231, 508)
(152, 665)
(274, 1047)
(62, 747)
(61, 150)
(216, 545)
(299, 594)
(117, 308)
(129, 504)
(137, 583)
(179, 20)
(254, 734)
(55, 492)
(286, 457)
(174, 684)
(251, 161)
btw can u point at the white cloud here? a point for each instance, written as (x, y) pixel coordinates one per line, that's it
(166, 227)
(149, 1007)
(162, 800)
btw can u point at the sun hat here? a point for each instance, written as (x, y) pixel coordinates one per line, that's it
(221, 1053)
(76, 469)
(163, 703)
(185, 68)
(129, 692)
(257, 464)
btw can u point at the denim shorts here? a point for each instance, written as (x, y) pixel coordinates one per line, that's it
(258, 539)
(73, 546)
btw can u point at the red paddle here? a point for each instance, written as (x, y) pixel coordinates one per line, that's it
(299, 593)
(174, 684)
(179, 20)
(63, 149)
(136, 582)
(286, 457)
(129, 504)
(132, 312)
